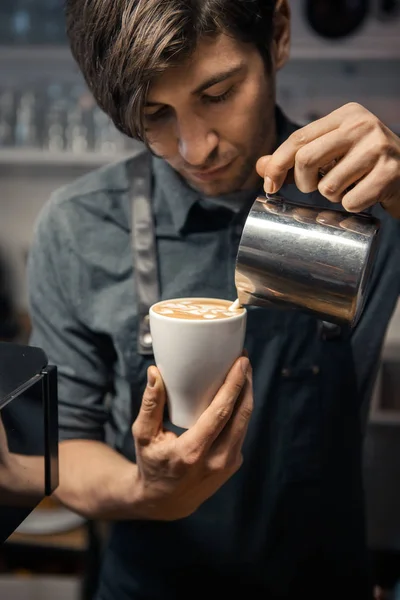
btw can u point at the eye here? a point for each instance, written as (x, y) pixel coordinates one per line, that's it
(221, 98)
(157, 116)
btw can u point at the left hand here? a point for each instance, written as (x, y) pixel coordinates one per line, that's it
(358, 153)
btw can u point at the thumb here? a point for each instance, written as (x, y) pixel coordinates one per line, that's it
(150, 418)
(276, 178)
(261, 165)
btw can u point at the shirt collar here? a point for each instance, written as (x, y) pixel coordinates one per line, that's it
(180, 197)
(175, 192)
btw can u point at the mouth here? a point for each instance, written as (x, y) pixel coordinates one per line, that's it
(211, 174)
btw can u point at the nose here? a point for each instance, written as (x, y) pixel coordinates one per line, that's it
(196, 141)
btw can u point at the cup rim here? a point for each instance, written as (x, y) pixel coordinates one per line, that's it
(234, 317)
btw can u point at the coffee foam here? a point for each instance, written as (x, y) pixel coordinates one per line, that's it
(197, 309)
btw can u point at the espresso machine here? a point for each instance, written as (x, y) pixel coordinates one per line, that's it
(28, 433)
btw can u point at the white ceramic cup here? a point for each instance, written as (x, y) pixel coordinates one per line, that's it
(194, 357)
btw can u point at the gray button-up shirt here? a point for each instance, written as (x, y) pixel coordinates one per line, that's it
(297, 500)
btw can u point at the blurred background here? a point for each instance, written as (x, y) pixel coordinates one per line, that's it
(52, 132)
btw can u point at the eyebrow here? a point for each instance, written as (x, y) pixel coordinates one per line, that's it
(214, 80)
(218, 78)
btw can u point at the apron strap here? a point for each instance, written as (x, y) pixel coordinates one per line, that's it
(144, 250)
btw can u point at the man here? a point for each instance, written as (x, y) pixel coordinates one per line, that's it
(269, 506)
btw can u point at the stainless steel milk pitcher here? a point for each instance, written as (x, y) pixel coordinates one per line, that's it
(307, 258)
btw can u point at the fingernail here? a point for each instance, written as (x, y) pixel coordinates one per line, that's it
(151, 379)
(245, 353)
(269, 185)
(244, 363)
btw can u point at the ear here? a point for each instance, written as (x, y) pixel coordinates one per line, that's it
(282, 34)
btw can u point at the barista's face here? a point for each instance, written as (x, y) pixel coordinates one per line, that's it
(213, 116)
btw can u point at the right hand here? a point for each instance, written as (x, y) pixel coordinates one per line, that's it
(177, 474)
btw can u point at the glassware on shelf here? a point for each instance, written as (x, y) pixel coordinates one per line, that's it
(107, 138)
(26, 121)
(78, 120)
(57, 118)
(53, 138)
(7, 117)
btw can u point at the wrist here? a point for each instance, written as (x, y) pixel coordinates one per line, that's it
(98, 482)
(121, 497)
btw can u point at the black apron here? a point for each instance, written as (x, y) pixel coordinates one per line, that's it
(127, 539)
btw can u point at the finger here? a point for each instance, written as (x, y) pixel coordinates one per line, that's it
(348, 171)
(283, 159)
(313, 159)
(150, 418)
(232, 438)
(261, 165)
(261, 170)
(201, 436)
(366, 193)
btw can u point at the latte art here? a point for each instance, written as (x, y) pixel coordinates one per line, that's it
(200, 309)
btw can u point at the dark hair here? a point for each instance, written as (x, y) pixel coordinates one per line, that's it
(121, 45)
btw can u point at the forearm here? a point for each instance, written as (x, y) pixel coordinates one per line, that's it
(21, 477)
(21, 480)
(97, 482)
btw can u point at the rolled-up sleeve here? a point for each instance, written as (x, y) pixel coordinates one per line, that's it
(82, 357)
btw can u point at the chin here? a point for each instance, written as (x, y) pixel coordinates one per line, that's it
(212, 189)
(218, 187)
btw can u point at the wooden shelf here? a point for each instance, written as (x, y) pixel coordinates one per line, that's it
(60, 54)
(303, 48)
(37, 157)
(342, 52)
